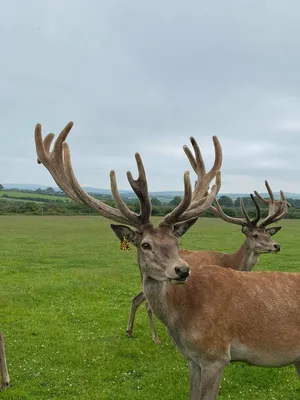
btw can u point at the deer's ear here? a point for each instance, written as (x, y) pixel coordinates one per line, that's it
(245, 229)
(273, 230)
(182, 227)
(122, 231)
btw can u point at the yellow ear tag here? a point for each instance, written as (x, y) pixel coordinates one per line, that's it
(125, 244)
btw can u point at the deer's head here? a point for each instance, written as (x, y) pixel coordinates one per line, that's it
(260, 240)
(258, 235)
(158, 249)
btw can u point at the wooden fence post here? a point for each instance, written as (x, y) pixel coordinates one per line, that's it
(3, 365)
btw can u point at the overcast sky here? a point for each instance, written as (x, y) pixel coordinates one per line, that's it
(145, 76)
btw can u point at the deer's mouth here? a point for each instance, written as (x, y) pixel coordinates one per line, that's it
(177, 281)
(273, 251)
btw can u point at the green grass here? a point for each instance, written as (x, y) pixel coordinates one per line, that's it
(65, 297)
(19, 195)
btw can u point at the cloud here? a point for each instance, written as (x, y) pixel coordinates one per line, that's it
(145, 77)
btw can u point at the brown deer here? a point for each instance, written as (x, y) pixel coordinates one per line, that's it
(216, 315)
(258, 241)
(54, 162)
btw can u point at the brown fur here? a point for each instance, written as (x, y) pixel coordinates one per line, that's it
(221, 315)
(260, 303)
(224, 260)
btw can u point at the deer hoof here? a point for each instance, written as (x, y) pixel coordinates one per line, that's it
(5, 385)
(130, 334)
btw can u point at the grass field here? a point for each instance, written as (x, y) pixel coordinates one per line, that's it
(65, 296)
(18, 195)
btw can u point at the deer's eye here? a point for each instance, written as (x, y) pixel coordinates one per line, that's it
(146, 246)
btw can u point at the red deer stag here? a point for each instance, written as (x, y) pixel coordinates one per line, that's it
(216, 316)
(55, 163)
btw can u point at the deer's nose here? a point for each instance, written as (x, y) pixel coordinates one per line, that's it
(277, 247)
(182, 272)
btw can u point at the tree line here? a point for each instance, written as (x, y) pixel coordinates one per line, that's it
(42, 206)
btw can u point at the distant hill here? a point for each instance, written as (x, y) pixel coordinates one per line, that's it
(25, 186)
(129, 194)
(263, 194)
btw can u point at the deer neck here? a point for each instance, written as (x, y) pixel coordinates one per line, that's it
(156, 294)
(245, 258)
(171, 303)
(176, 306)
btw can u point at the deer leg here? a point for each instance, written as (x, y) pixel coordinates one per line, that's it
(195, 380)
(135, 303)
(211, 375)
(150, 317)
(4, 371)
(297, 367)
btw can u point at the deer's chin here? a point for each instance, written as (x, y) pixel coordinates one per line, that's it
(178, 281)
(271, 251)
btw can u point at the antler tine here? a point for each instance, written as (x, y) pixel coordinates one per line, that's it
(130, 215)
(279, 214)
(200, 198)
(283, 198)
(281, 211)
(257, 208)
(277, 208)
(284, 209)
(263, 200)
(140, 187)
(196, 162)
(204, 203)
(193, 204)
(58, 162)
(269, 191)
(218, 158)
(173, 217)
(271, 202)
(203, 178)
(248, 220)
(53, 161)
(47, 144)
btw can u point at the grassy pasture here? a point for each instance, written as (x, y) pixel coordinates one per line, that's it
(65, 297)
(17, 195)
